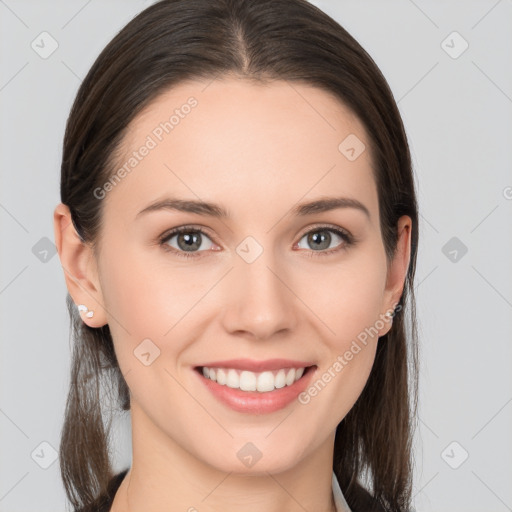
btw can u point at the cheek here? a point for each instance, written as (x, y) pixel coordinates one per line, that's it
(133, 300)
(348, 296)
(147, 298)
(349, 304)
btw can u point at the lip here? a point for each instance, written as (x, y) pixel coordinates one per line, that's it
(257, 366)
(254, 402)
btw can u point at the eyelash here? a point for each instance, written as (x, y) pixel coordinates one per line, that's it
(347, 238)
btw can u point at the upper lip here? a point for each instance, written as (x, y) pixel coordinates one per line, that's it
(257, 366)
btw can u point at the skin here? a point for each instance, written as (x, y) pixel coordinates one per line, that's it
(257, 150)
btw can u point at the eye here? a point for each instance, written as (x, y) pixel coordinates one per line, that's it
(191, 241)
(321, 238)
(187, 240)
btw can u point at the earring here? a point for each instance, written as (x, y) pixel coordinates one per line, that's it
(83, 308)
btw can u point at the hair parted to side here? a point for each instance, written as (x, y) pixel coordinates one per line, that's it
(176, 40)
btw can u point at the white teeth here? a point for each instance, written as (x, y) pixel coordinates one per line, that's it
(248, 381)
(265, 382)
(251, 381)
(290, 377)
(280, 379)
(221, 376)
(233, 380)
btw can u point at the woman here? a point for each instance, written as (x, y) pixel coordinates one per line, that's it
(238, 231)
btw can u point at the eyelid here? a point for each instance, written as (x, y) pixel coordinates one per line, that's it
(187, 227)
(327, 226)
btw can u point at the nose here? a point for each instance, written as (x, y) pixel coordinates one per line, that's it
(258, 298)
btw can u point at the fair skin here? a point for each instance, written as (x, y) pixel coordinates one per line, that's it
(256, 151)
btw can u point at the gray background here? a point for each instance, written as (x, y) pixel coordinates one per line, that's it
(458, 115)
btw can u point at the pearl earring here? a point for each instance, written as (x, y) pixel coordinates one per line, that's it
(83, 308)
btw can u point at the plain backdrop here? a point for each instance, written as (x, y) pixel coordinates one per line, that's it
(449, 65)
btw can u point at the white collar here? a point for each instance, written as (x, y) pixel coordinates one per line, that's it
(339, 499)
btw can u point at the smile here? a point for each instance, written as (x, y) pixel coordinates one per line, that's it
(245, 380)
(265, 388)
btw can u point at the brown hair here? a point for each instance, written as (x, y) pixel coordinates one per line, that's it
(175, 40)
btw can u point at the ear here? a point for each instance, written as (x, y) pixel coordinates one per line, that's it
(80, 268)
(397, 270)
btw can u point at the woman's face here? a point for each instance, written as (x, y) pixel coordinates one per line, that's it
(256, 285)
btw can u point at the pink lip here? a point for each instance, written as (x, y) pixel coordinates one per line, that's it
(254, 402)
(258, 366)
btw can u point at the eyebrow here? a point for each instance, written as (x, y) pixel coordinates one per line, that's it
(217, 211)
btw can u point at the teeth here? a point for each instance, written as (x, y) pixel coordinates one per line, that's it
(290, 377)
(221, 376)
(233, 380)
(251, 381)
(248, 381)
(280, 379)
(265, 382)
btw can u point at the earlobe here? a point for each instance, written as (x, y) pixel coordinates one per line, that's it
(79, 266)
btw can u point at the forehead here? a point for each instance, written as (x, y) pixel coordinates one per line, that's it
(231, 140)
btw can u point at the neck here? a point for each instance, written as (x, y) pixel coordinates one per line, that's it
(164, 476)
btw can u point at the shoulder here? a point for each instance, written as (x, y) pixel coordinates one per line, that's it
(104, 502)
(362, 501)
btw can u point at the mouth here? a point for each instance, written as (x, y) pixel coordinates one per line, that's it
(255, 392)
(249, 381)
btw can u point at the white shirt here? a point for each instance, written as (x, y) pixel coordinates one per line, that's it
(339, 499)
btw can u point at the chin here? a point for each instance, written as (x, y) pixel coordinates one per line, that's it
(256, 458)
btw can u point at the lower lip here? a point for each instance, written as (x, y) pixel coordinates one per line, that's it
(254, 402)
